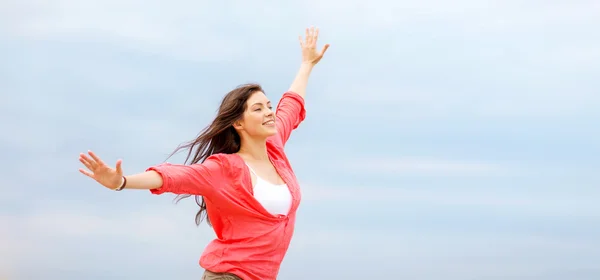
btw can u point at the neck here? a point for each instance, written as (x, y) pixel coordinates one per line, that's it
(254, 149)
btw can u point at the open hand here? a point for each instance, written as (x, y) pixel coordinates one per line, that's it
(102, 173)
(309, 46)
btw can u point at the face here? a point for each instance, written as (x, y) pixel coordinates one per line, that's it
(259, 117)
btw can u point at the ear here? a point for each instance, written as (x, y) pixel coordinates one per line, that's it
(238, 125)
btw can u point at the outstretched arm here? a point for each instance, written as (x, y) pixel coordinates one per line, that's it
(195, 179)
(310, 57)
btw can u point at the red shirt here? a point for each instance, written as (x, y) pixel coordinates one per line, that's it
(251, 243)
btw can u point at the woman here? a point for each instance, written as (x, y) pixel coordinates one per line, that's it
(249, 191)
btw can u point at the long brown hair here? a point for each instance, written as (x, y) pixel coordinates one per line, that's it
(219, 136)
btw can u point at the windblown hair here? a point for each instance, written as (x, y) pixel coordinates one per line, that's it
(219, 136)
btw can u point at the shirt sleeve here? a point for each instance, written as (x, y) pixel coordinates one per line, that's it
(289, 114)
(196, 179)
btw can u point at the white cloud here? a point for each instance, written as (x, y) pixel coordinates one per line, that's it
(9, 248)
(541, 91)
(419, 166)
(518, 198)
(469, 15)
(551, 83)
(541, 70)
(60, 231)
(184, 30)
(57, 233)
(435, 245)
(443, 254)
(194, 29)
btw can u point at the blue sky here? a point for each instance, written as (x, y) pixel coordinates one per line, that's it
(444, 140)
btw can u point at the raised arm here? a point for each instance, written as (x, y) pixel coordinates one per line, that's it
(310, 58)
(196, 179)
(290, 109)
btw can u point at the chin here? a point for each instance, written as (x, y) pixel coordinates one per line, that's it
(270, 131)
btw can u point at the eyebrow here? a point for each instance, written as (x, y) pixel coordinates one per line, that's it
(260, 103)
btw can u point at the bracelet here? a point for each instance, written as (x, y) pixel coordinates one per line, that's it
(122, 185)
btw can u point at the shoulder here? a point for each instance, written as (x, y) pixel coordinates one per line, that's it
(228, 164)
(220, 158)
(290, 96)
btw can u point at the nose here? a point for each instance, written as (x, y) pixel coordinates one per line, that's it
(269, 112)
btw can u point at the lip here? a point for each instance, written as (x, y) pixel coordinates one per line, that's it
(267, 122)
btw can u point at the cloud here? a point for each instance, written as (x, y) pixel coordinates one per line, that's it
(54, 238)
(416, 166)
(440, 254)
(533, 75)
(386, 101)
(506, 199)
(150, 27)
(61, 242)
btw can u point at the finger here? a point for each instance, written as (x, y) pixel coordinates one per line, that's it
(300, 40)
(86, 173)
(308, 40)
(315, 37)
(87, 163)
(87, 159)
(96, 158)
(119, 168)
(324, 49)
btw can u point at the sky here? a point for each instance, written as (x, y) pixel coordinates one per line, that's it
(443, 140)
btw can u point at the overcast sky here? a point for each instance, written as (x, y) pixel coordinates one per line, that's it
(444, 139)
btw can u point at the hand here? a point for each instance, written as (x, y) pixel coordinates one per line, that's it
(309, 47)
(102, 173)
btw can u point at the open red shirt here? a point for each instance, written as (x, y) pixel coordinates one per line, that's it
(251, 243)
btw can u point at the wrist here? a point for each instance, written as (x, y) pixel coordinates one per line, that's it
(122, 185)
(307, 64)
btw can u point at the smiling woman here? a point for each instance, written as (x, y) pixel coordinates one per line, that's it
(239, 170)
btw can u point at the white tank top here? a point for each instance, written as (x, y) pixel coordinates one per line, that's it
(276, 199)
